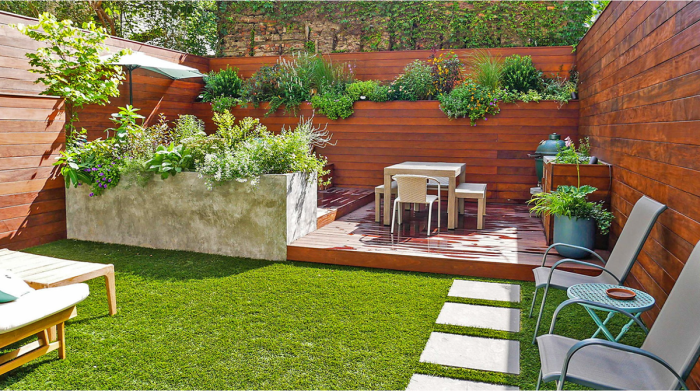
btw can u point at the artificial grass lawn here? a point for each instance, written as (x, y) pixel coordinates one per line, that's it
(198, 321)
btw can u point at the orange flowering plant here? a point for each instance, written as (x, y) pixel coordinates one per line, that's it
(469, 100)
(446, 70)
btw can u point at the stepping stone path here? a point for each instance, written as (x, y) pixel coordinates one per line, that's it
(463, 351)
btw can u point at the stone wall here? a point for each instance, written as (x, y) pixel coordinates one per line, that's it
(257, 28)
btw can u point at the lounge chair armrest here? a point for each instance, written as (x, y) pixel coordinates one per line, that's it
(597, 305)
(544, 257)
(617, 346)
(564, 261)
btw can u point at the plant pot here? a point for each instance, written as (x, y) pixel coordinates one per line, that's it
(575, 231)
(574, 95)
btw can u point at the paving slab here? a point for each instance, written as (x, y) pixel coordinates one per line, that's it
(468, 315)
(486, 354)
(432, 383)
(485, 290)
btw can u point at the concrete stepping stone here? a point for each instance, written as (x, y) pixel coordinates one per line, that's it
(468, 315)
(432, 383)
(485, 290)
(496, 355)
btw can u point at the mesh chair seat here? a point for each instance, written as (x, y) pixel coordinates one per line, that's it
(563, 280)
(600, 367)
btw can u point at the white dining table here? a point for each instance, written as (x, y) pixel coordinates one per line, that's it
(452, 171)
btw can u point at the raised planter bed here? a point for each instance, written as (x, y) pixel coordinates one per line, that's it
(179, 213)
(596, 175)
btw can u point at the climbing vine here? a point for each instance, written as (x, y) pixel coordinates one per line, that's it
(432, 24)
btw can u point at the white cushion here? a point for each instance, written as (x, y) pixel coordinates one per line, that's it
(12, 286)
(40, 304)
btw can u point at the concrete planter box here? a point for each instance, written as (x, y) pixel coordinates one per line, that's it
(179, 213)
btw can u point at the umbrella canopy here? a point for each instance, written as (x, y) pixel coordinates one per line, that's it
(140, 60)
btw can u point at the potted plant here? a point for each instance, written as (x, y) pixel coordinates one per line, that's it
(575, 218)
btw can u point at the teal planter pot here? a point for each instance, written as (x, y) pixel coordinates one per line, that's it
(579, 232)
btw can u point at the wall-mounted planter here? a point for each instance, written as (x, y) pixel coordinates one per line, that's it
(596, 175)
(179, 213)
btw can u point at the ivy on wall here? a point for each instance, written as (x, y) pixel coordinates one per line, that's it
(429, 24)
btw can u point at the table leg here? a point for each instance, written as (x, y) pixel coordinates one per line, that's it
(462, 179)
(451, 204)
(111, 292)
(626, 327)
(387, 199)
(602, 325)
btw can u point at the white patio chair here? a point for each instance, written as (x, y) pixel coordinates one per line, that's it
(413, 189)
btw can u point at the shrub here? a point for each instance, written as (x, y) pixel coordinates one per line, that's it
(380, 94)
(469, 100)
(520, 74)
(187, 126)
(572, 155)
(222, 88)
(233, 134)
(359, 89)
(170, 160)
(92, 163)
(559, 89)
(333, 105)
(572, 201)
(485, 69)
(322, 74)
(416, 83)
(446, 71)
(262, 86)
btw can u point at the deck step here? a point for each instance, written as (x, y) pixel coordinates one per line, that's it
(336, 202)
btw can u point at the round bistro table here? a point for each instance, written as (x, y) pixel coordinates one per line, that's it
(596, 293)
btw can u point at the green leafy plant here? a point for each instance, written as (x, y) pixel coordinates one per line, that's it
(416, 83)
(187, 126)
(446, 71)
(92, 163)
(371, 90)
(232, 133)
(333, 105)
(469, 100)
(126, 120)
(222, 88)
(572, 201)
(70, 65)
(570, 154)
(519, 74)
(262, 85)
(486, 70)
(170, 160)
(559, 89)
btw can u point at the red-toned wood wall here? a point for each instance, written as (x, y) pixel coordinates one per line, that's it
(640, 106)
(381, 134)
(32, 204)
(388, 65)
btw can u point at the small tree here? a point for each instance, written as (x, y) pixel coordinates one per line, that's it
(70, 63)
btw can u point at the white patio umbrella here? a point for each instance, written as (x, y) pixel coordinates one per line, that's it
(140, 60)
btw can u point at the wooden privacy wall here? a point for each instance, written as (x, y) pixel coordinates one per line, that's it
(640, 106)
(381, 134)
(32, 205)
(388, 65)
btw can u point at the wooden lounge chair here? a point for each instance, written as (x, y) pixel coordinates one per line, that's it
(663, 362)
(35, 313)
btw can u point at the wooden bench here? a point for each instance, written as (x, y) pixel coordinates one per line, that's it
(41, 272)
(474, 191)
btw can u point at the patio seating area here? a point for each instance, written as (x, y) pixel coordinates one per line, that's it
(350, 195)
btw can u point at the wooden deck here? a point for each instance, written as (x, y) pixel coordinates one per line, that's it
(336, 202)
(510, 245)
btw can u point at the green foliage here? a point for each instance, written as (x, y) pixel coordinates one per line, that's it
(559, 89)
(322, 74)
(486, 70)
(333, 105)
(222, 88)
(572, 155)
(170, 160)
(427, 24)
(70, 65)
(519, 74)
(91, 163)
(267, 153)
(572, 201)
(187, 126)
(233, 134)
(469, 100)
(372, 90)
(446, 71)
(126, 120)
(416, 83)
(262, 86)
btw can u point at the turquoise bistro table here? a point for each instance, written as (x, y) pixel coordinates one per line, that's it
(596, 293)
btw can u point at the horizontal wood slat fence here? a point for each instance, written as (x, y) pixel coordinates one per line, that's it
(640, 106)
(381, 134)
